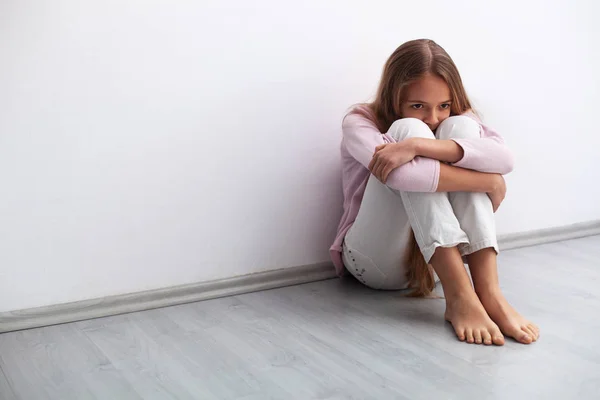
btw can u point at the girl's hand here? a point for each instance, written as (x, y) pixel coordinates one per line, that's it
(390, 156)
(498, 193)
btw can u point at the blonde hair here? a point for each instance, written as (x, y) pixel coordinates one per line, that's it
(408, 63)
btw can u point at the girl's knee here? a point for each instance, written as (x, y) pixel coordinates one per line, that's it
(409, 127)
(458, 127)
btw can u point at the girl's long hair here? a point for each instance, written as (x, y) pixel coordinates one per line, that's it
(408, 63)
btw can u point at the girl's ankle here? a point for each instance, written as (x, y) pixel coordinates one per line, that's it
(488, 290)
(460, 294)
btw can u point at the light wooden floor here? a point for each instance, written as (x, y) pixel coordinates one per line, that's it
(328, 340)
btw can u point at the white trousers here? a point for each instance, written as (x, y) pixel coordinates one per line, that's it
(375, 248)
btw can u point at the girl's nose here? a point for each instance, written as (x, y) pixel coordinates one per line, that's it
(431, 118)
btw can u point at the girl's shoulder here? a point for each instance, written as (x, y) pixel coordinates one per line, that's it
(359, 114)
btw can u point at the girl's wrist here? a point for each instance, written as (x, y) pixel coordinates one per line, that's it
(415, 146)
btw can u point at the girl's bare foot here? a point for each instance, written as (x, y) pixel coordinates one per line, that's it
(463, 309)
(485, 279)
(471, 322)
(508, 319)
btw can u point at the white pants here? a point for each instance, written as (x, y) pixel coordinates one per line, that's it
(375, 248)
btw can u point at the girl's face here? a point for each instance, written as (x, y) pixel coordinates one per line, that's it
(427, 99)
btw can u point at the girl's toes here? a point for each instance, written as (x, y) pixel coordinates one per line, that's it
(535, 330)
(487, 338)
(470, 338)
(497, 337)
(477, 336)
(460, 334)
(523, 336)
(531, 332)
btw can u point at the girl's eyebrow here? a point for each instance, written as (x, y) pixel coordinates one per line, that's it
(424, 102)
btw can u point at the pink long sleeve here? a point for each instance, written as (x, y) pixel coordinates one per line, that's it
(360, 137)
(485, 154)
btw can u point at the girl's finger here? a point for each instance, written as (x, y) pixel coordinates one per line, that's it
(376, 167)
(372, 163)
(386, 172)
(380, 169)
(380, 147)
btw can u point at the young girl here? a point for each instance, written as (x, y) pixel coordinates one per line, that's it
(411, 200)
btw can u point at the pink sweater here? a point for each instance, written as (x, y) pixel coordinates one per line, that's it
(359, 139)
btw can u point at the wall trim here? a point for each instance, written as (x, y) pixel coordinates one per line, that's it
(548, 235)
(139, 301)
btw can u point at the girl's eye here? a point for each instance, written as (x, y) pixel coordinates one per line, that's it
(445, 106)
(417, 106)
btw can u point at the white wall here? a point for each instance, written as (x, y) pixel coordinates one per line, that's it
(146, 144)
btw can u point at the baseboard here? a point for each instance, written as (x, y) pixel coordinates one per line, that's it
(549, 235)
(126, 303)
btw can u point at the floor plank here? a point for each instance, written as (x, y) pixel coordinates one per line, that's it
(6, 389)
(333, 339)
(59, 362)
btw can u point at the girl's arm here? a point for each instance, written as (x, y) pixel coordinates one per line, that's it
(484, 155)
(423, 174)
(360, 140)
(487, 153)
(456, 179)
(441, 150)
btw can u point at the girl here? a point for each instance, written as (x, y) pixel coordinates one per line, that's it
(411, 200)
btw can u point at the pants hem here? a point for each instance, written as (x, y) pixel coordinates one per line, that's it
(430, 250)
(472, 248)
